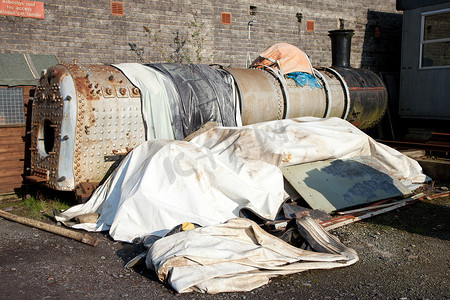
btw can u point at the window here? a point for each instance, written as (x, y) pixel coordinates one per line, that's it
(435, 40)
(11, 106)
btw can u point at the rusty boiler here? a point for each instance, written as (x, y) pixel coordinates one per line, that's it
(87, 117)
(81, 117)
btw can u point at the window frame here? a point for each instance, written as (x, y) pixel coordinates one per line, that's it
(12, 107)
(425, 42)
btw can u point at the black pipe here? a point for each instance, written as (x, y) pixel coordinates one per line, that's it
(341, 42)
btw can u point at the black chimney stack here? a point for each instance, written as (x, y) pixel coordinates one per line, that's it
(341, 43)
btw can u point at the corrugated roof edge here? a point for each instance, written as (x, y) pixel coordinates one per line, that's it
(18, 69)
(412, 4)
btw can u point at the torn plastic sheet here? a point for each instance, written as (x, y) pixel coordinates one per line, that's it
(240, 256)
(208, 180)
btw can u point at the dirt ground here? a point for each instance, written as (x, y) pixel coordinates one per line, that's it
(404, 254)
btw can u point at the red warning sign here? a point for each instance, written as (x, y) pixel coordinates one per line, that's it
(21, 8)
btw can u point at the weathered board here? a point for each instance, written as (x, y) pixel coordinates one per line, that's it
(14, 144)
(337, 184)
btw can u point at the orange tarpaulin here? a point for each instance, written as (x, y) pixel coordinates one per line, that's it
(290, 58)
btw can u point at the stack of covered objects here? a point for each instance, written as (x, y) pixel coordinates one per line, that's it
(210, 179)
(207, 181)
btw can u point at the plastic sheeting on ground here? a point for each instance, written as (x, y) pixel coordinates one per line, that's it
(239, 256)
(156, 96)
(290, 58)
(204, 94)
(208, 180)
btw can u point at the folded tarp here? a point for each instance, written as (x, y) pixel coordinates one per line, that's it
(208, 180)
(240, 256)
(157, 96)
(290, 59)
(204, 94)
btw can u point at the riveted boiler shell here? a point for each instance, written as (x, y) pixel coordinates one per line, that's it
(368, 96)
(83, 116)
(305, 101)
(260, 94)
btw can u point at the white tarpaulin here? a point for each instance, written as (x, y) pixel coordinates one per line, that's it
(239, 256)
(208, 180)
(155, 99)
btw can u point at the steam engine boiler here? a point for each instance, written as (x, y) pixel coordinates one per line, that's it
(86, 117)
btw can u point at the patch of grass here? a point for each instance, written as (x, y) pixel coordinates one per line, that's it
(38, 209)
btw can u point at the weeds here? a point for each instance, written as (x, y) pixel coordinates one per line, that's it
(186, 47)
(38, 208)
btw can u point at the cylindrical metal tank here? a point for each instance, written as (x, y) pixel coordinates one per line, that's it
(366, 91)
(85, 118)
(261, 96)
(305, 101)
(356, 95)
(368, 96)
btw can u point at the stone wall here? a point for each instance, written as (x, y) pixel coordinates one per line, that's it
(86, 30)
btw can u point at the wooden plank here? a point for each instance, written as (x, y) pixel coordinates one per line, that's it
(79, 236)
(11, 185)
(13, 169)
(12, 138)
(380, 206)
(367, 215)
(12, 144)
(14, 135)
(12, 131)
(34, 179)
(11, 156)
(440, 195)
(9, 173)
(347, 219)
(16, 144)
(12, 148)
(13, 151)
(11, 164)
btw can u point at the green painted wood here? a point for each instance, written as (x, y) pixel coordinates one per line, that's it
(337, 184)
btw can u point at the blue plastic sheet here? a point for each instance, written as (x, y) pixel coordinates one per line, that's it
(303, 79)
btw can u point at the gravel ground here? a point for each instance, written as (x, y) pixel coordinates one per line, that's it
(404, 254)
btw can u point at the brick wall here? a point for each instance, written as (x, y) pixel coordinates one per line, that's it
(85, 30)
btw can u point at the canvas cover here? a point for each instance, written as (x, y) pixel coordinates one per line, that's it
(208, 180)
(156, 97)
(240, 256)
(290, 58)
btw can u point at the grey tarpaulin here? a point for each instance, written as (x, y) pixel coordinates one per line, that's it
(205, 94)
